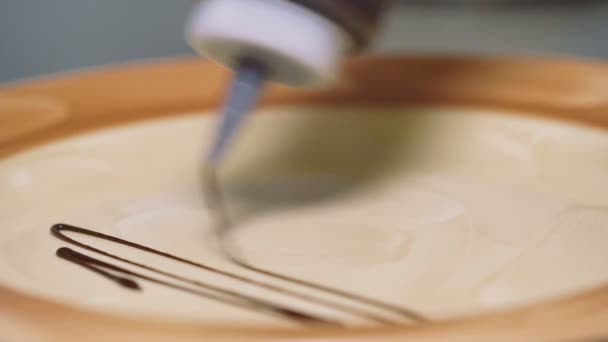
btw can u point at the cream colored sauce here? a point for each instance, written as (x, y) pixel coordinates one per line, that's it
(445, 211)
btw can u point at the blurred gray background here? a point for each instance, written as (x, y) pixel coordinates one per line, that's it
(41, 37)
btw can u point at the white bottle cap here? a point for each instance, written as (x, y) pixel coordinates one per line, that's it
(301, 47)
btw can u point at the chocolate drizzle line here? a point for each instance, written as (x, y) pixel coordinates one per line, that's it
(406, 313)
(119, 276)
(223, 224)
(201, 289)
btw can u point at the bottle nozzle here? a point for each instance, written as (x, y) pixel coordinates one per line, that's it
(246, 87)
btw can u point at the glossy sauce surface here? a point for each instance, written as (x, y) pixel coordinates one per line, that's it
(442, 211)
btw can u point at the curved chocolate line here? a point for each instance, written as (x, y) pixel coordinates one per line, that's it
(227, 296)
(212, 292)
(222, 225)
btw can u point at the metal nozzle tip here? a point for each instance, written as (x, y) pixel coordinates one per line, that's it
(245, 89)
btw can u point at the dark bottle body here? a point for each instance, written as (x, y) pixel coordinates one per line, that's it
(359, 18)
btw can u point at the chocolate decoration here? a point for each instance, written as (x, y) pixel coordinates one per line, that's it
(125, 278)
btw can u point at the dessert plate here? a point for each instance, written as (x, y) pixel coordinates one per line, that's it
(420, 199)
